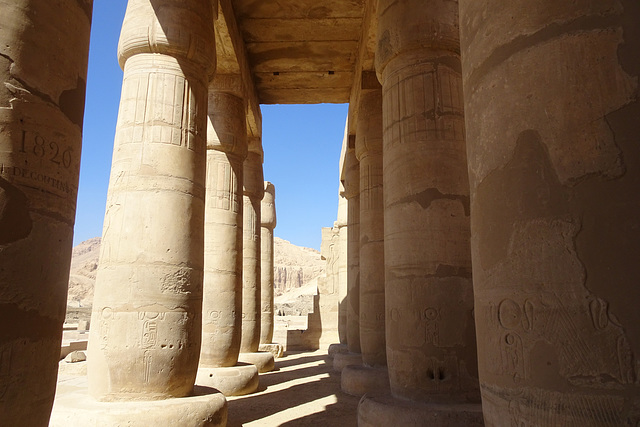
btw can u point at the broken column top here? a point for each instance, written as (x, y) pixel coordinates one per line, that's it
(268, 208)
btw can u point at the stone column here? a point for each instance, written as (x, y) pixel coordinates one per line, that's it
(352, 194)
(267, 224)
(41, 115)
(341, 268)
(222, 295)
(372, 375)
(146, 322)
(431, 350)
(251, 251)
(369, 154)
(555, 208)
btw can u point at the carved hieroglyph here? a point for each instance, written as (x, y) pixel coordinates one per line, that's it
(352, 194)
(369, 153)
(253, 191)
(431, 351)
(146, 321)
(222, 295)
(554, 143)
(41, 114)
(267, 224)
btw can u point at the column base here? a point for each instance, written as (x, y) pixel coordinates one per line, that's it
(276, 349)
(263, 361)
(357, 380)
(337, 348)
(340, 360)
(74, 407)
(236, 380)
(381, 410)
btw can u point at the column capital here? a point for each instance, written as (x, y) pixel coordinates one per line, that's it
(268, 208)
(415, 26)
(182, 29)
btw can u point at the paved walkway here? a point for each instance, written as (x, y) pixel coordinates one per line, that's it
(302, 391)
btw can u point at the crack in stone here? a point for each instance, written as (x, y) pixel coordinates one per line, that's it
(428, 196)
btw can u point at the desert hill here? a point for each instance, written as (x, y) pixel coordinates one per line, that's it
(294, 266)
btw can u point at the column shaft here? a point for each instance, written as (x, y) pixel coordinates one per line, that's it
(352, 194)
(251, 289)
(268, 223)
(369, 153)
(431, 352)
(555, 208)
(41, 114)
(147, 312)
(222, 296)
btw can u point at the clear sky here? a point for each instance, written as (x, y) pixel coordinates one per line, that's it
(301, 143)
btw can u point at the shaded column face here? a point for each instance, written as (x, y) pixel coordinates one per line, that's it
(267, 224)
(555, 208)
(222, 295)
(352, 194)
(431, 352)
(41, 114)
(340, 267)
(146, 318)
(369, 153)
(251, 289)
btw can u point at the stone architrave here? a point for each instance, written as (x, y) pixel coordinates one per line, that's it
(267, 224)
(555, 208)
(431, 349)
(41, 114)
(147, 311)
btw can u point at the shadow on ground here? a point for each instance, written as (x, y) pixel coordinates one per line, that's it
(302, 391)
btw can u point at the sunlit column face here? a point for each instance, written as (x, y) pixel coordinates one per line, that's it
(41, 117)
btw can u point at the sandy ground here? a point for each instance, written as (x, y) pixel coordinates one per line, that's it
(302, 391)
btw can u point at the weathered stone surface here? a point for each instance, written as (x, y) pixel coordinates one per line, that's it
(253, 184)
(264, 361)
(41, 116)
(431, 350)
(222, 296)
(236, 380)
(147, 311)
(267, 224)
(357, 380)
(555, 208)
(75, 357)
(371, 231)
(352, 194)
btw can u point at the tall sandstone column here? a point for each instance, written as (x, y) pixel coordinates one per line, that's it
(41, 114)
(222, 298)
(267, 224)
(431, 349)
(147, 311)
(352, 194)
(554, 151)
(253, 193)
(369, 154)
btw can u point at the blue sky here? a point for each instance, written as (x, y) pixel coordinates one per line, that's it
(301, 143)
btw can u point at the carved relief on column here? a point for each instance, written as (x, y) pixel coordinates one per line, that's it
(222, 297)
(146, 322)
(41, 115)
(555, 209)
(352, 194)
(267, 224)
(251, 298)
(369, 154)
(431, 346)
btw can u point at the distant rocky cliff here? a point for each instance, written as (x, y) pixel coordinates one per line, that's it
(294, 266)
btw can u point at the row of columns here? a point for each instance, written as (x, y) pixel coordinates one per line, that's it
(552, 337)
